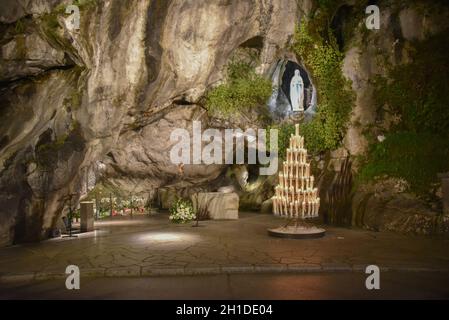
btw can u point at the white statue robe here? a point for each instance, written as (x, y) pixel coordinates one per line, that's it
(297, 92)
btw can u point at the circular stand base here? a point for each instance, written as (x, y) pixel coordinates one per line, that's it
(297, 232)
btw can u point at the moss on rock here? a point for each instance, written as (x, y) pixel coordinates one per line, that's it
(416, 147)
(243, 90)
(316, 47)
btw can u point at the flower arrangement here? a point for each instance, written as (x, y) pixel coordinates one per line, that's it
(182, 211)
(121, 206)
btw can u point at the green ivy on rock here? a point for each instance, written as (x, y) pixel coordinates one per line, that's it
(335, 96)
(416, 95)
(415, 157)
(243, 90)
(285, 130)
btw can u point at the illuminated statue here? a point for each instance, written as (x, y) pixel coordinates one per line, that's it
(297, 92)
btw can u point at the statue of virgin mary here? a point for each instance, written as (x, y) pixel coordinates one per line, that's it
(297, 92)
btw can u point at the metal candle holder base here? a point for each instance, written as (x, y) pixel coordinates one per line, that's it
(297, 230)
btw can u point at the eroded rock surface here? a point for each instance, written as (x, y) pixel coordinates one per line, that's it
(109, 93)
(101, 101)
(385, 206)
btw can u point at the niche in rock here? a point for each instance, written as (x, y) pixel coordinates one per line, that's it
(293, 91)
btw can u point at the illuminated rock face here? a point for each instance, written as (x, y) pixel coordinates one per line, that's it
(296, 197)
(108, 95)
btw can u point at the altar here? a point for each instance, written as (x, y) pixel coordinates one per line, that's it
(220, 205)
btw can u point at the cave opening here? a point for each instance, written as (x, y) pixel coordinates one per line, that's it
(253, 173)
(340, 25)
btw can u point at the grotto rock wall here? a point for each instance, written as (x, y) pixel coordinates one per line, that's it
(372, 53)
(382, 205)
(110, 92)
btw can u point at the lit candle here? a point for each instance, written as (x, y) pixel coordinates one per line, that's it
(296, 209)
(278, 205)
(311, 209)
(297, 182)
(295, 168)
(303, 210)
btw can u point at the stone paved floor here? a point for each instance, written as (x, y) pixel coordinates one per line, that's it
(148, 246)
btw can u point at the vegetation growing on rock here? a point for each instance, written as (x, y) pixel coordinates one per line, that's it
(243, 90)
(316, 46)
(285, 130)
(49, 153)
(416, 147)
